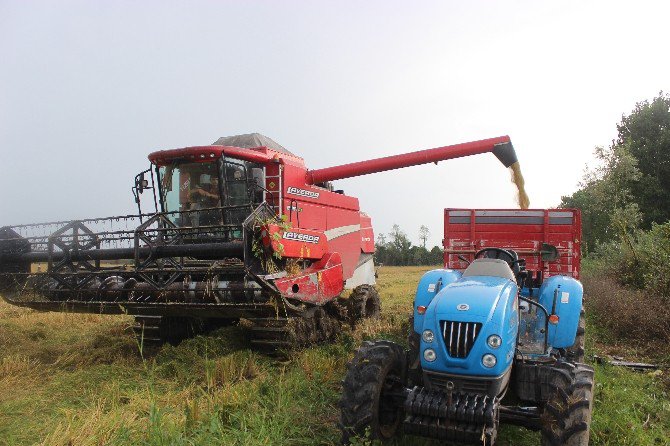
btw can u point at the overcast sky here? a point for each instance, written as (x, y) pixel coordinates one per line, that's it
(88, 89)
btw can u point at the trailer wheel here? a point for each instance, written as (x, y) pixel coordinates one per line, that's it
(369, 405)
(567, 413)
(576, 352)
(363, 303)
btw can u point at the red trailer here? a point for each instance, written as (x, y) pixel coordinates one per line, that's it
(466, 231)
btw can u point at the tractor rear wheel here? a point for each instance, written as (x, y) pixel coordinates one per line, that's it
(567, 413)
(576, 352)
(363, 303)
(374, 380)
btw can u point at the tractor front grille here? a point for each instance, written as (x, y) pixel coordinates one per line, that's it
(459, 337)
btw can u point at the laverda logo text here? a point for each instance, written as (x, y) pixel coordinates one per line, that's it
(301, 237)
(302, 192)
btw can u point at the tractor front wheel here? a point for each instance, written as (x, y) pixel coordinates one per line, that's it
(363, 303)
(567, 413)
(372, 390)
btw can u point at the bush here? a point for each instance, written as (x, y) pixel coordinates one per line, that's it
(642, 261)
(627, 314)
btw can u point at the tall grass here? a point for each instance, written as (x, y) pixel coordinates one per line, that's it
(68, 379)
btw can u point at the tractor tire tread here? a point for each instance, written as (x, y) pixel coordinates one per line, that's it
(372, 364)
(567, 414)
(576, 352)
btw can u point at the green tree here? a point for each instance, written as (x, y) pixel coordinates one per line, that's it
(436, 256)
(625, 199)
(609, 210)
(399, 239)
(645, 134)
(424, 233)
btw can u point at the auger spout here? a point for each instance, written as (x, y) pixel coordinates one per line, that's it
(501, 147)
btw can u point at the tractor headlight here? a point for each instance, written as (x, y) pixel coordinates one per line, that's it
(489, 360)
(429, 355)
(428, 336)
(494, 341)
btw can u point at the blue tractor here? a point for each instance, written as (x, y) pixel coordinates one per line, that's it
(492, 344)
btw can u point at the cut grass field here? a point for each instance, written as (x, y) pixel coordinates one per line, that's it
(69, 379)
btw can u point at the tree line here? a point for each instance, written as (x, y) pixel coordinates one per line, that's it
(396, 249)
(625, 199)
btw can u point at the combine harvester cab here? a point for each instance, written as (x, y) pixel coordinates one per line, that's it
(240, 229)
(496, 336)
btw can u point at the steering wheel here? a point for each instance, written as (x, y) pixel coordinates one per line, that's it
(508, 256)
(499, 253)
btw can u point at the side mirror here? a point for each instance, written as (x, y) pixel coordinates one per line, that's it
(549, 252)
(141, 183)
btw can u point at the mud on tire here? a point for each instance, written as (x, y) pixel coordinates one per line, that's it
(576, 352)
(567, 414)
(364, 303)
(414, 375)
(367, 407)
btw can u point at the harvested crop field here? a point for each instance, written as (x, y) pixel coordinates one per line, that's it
(69, 379)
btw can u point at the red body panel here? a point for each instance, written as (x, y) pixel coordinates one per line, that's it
(468, 230)
(367, 235)
(296, 243)
(318, 284)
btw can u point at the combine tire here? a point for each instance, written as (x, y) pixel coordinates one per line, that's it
(567, 413)
(364, 303)
(576, 352)
(374, 379)
(314, 326)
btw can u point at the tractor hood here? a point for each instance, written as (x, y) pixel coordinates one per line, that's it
(481, 295)
(486, 306)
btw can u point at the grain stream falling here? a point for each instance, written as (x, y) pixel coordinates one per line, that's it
(517, 179)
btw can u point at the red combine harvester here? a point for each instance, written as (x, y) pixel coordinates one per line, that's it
(241, 229)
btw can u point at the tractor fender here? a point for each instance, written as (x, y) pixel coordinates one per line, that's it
(563, 295)
(430, 284)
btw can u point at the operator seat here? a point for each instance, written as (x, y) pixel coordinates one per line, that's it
(491, 268)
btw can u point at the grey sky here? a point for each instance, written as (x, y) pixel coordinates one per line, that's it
(88, 89)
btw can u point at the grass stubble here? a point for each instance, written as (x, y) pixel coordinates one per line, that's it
(72, 379)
